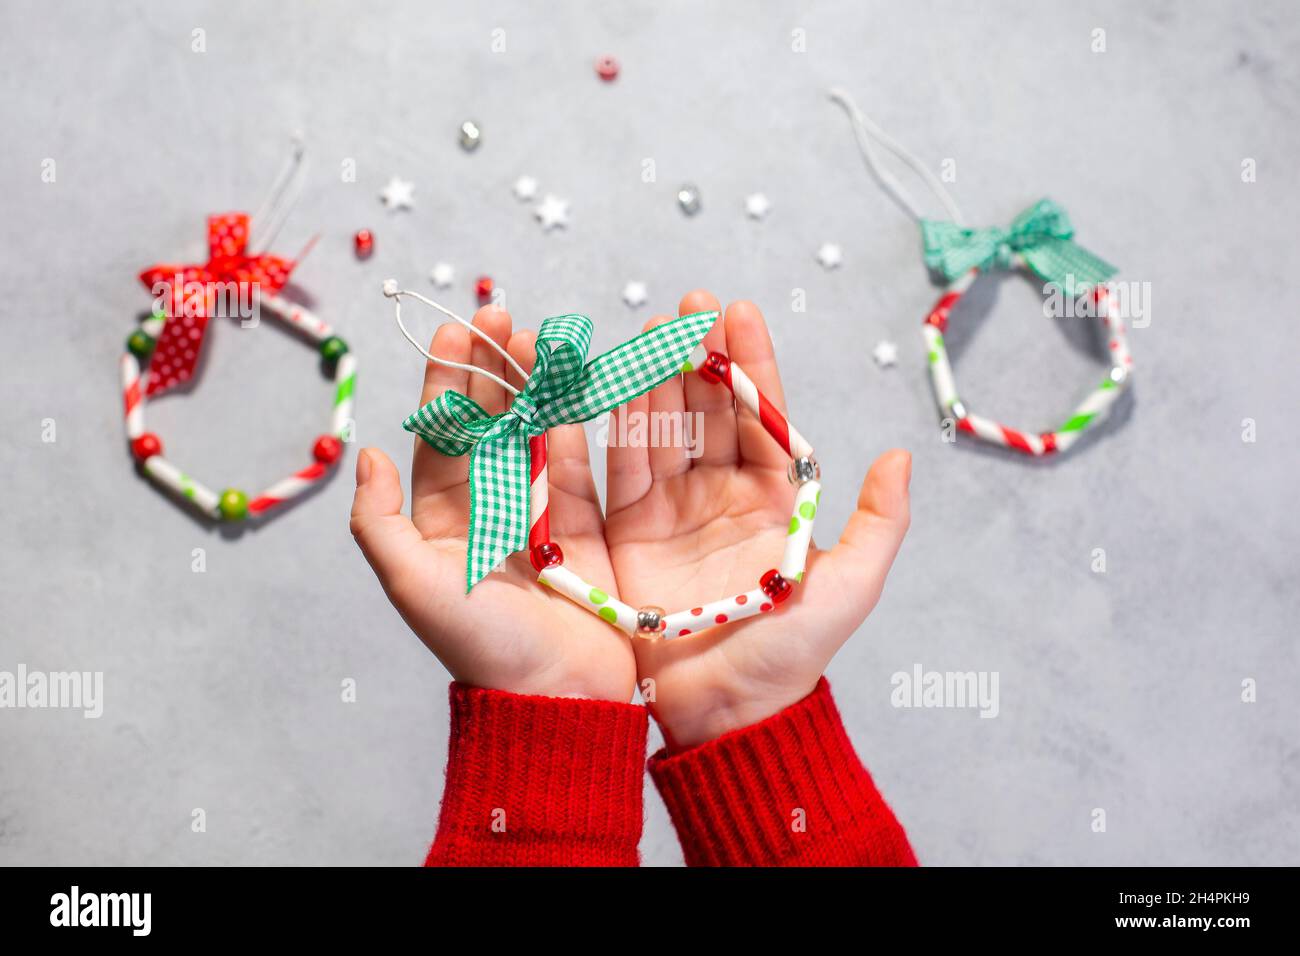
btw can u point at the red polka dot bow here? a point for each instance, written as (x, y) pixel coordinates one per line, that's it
(188, 295)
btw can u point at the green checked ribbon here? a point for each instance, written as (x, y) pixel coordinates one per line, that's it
(1042, 235)
(563, 388)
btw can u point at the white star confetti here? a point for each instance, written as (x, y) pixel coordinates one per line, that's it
(634, 294)
(525, 188)
(885, 353)
(757, 206)
(552, 212)
(442, 274)
(830, 255)
(398, 194)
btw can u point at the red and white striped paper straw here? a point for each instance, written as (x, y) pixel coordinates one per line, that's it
(132, 399)
(287, 489)
(298, 317)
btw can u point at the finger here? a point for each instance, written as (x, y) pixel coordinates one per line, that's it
(750, 346)
(432, 472)
(495, 322)
(712, 410)
(871, 539)
(663, 429)
(386, 537)
(568, 462)
(627, 465)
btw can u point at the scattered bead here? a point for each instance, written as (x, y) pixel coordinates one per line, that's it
(545, 555)
(333, 348)
(483, 289)
(139, 344)
(607, 68)
(650, 622)
(470, 136)
(715, 368)
(233, 505)
(688, 197)
(146, 446)
(327, 449)
(775, 586)
(802, 470)
(363, 243)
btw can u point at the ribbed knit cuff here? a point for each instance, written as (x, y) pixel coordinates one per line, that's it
(541, 781)
(788, 791)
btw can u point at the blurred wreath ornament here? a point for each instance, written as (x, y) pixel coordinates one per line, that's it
(509, 510)
(1039, 242)
(164, 351)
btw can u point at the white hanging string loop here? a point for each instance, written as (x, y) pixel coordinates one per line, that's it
(393, 292)
(865, 130)
(279, 202)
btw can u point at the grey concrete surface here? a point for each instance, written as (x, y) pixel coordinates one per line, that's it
(1119, 691)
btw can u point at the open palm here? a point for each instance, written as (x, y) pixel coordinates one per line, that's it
(680, 531)
(508, 633)
(683, 531)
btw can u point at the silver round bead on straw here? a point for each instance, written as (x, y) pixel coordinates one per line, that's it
(802, 470)
(650, 622)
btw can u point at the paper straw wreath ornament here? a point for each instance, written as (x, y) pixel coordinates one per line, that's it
(507, 456)
(1038, 242)
(164, 352)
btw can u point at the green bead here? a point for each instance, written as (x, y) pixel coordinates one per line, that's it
(233, 505)
(139, 343)
(333, 348)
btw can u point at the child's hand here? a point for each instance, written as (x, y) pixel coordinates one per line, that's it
(683, 531)
(510, 633)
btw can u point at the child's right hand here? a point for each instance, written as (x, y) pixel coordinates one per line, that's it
(509, 633)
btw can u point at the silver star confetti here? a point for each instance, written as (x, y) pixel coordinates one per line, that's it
(442, 274)
(552, 212)
(885, 353)
(757, 206)
(525, 188)
(634, 294)
(398, 194)
(830, 255)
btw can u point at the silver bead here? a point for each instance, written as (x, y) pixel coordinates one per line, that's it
(958, 409)
(470, 136)
(650, 622)
(688, 197)
(1118, 374)
(803, 470)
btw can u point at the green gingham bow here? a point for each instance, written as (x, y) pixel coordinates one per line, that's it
(563, 388)
(1041, 235)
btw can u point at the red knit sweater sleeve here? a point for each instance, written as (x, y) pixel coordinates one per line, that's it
(541, 781)
(788, 791)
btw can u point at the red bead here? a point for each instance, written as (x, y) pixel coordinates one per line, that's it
(775, 586)
(327, 449)
(364, 243)
(607, 68)
(146, 446)
(545, 555)
(484, 288)
(721, 619)
(716, 368)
